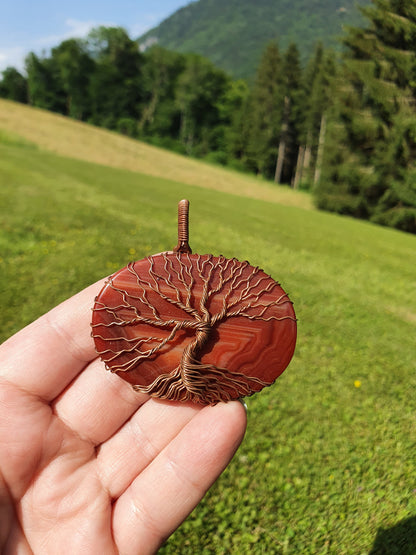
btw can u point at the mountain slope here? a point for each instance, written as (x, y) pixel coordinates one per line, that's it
(233, 33)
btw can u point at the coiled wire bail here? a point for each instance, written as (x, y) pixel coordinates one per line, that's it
(183, 228)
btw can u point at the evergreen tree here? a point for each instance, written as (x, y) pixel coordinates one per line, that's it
(369, 168)
(292, 116)
(265, 114)
(318, 83)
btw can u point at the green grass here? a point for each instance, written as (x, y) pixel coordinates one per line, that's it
(326, 467)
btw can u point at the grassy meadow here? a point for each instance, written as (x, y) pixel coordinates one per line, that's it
(328, 464)
(78, 140)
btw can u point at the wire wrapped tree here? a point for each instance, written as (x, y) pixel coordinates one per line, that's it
(190, 327)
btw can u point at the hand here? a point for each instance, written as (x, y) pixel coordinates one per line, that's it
(87, 465)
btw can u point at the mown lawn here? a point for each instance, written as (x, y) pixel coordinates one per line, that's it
(328, 464)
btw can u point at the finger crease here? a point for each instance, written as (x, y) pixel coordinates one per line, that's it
(67, 339)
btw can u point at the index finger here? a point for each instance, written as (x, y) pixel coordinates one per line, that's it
(44, 357)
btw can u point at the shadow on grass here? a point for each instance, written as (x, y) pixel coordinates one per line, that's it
(397, 540)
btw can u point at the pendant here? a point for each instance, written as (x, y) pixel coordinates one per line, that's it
(191, 327)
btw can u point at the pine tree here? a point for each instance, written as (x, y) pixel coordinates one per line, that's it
(369, 163)
(265, 114)
(318, 79)
(292, 116)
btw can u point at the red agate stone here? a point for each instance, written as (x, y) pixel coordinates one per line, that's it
(194, 327)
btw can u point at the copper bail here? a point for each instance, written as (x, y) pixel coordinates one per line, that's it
(183, 228)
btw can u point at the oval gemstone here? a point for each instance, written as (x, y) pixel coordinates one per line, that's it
(194, 327)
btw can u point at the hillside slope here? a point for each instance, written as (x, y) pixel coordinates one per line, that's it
(72, 138)
(233, 33)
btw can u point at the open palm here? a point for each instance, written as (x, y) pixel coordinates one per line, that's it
(87, 465)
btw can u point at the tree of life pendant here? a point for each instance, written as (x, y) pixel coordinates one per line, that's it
(191, 327)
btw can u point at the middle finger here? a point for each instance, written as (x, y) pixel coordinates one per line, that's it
(97, 403)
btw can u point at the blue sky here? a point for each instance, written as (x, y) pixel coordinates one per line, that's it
(28, 25)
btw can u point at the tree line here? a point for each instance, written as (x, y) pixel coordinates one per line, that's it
(342, 127)
(185, 103)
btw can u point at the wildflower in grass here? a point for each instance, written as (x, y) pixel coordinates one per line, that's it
(132, 252)
(357, 383)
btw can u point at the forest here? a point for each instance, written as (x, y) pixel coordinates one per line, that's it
(341, 126)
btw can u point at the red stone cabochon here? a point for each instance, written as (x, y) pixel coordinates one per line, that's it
(194, 327)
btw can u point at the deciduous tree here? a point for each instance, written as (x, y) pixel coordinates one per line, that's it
(13, 85)
(200, 89)
(74, 68)
(44, 84)
(116, 85)
(160, 115)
